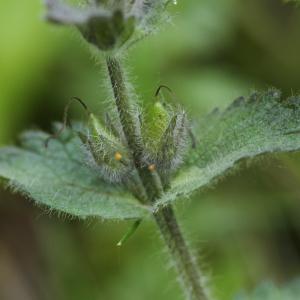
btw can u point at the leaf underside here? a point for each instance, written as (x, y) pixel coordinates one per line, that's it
(59, 178)
(263, 123)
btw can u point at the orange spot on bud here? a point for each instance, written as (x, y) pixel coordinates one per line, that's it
(118, 156)
(152, 167)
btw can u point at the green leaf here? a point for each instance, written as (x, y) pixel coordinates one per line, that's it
(59, 178)
(268, 291)
(261, 124)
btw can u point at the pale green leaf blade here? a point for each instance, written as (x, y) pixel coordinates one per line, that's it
(260, 124)
(58, 178)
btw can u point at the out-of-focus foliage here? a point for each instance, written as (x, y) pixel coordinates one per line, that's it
(213, 52)
(21, 65)
(291, 1)
(269, 291)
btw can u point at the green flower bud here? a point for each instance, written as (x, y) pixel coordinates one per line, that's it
(165, 136)
(108, 32)
(106, 153)
(155, 123)
(173, 143)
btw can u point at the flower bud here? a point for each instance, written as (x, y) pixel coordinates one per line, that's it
(155, 123)
(108, 25)
(106, 153)
(108, 32)
(173, 143)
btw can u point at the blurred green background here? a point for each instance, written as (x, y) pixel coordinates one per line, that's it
(248, 229)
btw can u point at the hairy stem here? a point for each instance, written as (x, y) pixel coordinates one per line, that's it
(187, 268)
(185, 263)
(125, 106)
(131, 127)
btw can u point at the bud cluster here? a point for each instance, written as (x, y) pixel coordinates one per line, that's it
(109, 24)
(164, 131)
(152, 140)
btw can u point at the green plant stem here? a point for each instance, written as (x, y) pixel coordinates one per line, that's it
(124, 105)
(186, 265)
(131, 127)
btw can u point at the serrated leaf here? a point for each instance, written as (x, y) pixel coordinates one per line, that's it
(59, 178)
(263, 123)
(269, 291)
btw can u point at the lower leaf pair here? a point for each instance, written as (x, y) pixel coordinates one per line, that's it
(60, 178)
